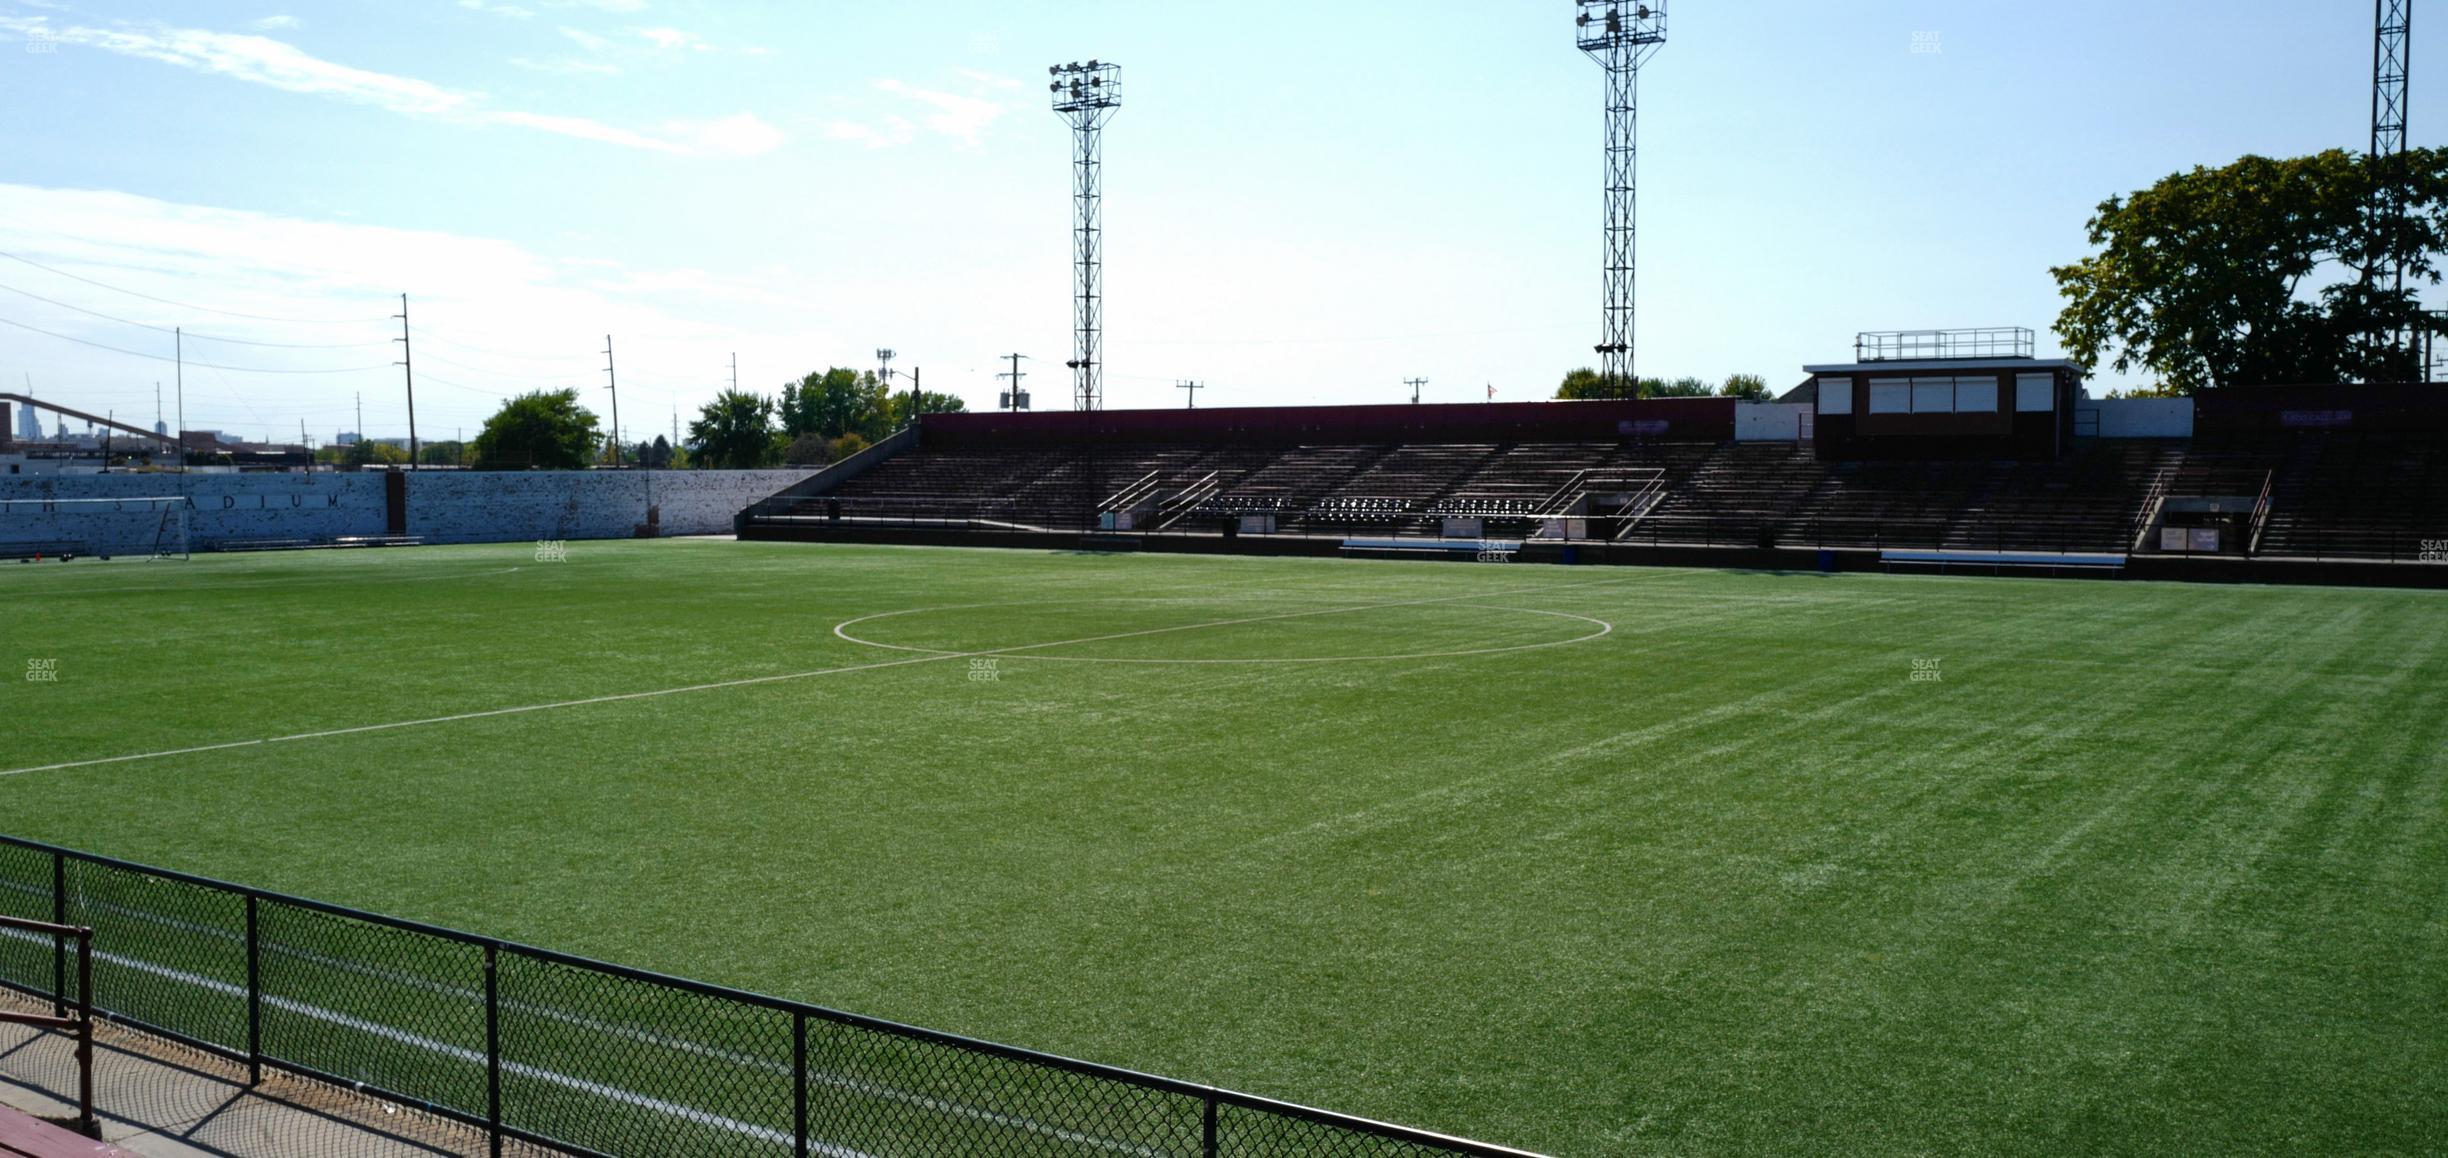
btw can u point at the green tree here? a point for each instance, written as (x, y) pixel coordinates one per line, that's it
(1748, 387)
(847, 445)
(929, 402)
(2253, 272)
(734, 432)
(367, 452)
(543, 430)
(809, 449)
(834, 403)
(1587, 385)
(656, 455)
(1685, 387)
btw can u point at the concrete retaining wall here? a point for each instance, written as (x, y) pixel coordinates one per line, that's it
(442, 506)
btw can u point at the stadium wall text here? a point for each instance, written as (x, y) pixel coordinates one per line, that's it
(438, 506)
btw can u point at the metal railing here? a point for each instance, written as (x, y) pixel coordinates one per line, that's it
(579, 1056)
(66, 1016)
(1917, 345)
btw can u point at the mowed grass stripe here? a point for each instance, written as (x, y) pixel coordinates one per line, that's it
(2150, 868)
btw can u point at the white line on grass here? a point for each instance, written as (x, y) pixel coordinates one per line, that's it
(754, 681)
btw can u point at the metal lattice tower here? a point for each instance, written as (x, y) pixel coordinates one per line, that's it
(1621, 35)
(2392, 69)
(1086, 95)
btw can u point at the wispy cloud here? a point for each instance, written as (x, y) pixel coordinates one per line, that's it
(510, 11)
(883, 135)
(567, 65)
(269, 23)
(585, 39)
(489, 293)
(737, 135)
(964, 118)
(673, 38)
(277, 64)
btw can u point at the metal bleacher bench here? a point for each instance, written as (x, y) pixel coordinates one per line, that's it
(1473, 547)
(2045, 560)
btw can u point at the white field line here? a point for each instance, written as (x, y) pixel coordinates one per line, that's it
(613, 1093)
(754, 681)
(1604, 629)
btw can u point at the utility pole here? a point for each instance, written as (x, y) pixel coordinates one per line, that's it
(1415, 384)
(407, 365)
(735, 372)
(614, 381)
(1193, 388)
(360, 416)
(178, 335)
(1011, 401)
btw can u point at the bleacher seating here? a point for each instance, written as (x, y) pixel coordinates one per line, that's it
(2358, 496)
(2331, 493)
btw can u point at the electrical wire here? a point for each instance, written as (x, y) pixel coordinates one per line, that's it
(189, 361)
(428, 335)
(188, 333)
(186, 305)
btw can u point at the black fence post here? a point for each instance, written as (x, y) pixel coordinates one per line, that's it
(493, 1066)
(89, 1125)
(1207, 1127)
(59, 944)
(254, 952)
(799, 1083)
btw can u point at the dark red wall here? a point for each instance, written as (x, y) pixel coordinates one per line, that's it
(1670, 419)
(2383, 409)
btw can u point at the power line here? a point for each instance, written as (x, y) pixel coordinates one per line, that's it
(202, 337)
(208, 365)
(186, 305)
(430, 336)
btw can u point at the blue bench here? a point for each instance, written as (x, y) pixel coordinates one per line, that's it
(2041, 559)
(1434, 546)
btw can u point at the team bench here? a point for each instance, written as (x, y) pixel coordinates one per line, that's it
(2049, 561)
(1474, 548)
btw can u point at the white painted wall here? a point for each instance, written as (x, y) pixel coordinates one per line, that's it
(1769, 421)
(2138, 417)
(443, 506)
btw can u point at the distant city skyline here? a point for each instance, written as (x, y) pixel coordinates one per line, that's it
(1304, 205)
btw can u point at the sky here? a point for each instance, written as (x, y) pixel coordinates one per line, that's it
(1306, 200)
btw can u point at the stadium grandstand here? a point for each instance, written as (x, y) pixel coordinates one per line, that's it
(1911, 455)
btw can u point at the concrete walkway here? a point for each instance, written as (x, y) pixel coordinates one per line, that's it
(158, 1099)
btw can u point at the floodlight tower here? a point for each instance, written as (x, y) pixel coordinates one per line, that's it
(1621, 35)
(2392, 69)
(1086, 95)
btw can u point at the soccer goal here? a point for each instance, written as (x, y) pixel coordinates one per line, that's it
(158, 526)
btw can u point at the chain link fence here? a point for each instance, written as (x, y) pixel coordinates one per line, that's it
(539, 1049)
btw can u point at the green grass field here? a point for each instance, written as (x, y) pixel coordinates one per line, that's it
(1589, 861)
